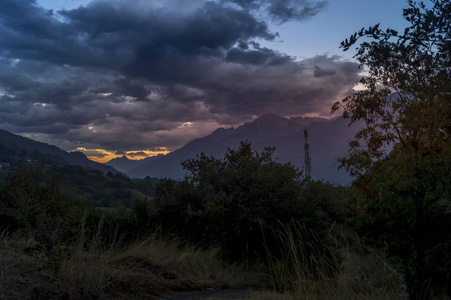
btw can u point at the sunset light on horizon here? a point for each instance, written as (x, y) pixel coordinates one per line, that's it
(103, 156)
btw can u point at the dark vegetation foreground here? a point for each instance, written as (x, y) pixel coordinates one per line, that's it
(235, 211)
(241, 222)
(247, 221)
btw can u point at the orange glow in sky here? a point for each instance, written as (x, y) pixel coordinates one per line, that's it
(103, 156)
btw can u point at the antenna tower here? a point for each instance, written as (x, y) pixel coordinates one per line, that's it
(308, 161)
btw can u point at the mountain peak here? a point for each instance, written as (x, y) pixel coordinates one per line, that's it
(78, 154)
(306, 121)
(123, 157)
(270, 117)
(272, 121)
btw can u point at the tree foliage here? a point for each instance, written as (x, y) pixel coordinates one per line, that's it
(38, 210)
(402, 158)
(240, 200)
(33, 205)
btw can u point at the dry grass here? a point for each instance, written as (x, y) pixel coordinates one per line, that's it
(369, 274)
(23, 270)
(90, 269)
(163, 267)
(154, 267)
(201, 266)
(312, 269)
(83, 267)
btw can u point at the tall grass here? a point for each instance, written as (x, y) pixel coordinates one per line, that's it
(84, 266)
(151, 266)
(93, 267)
(188, 263)
(312, 267)
(305, 266)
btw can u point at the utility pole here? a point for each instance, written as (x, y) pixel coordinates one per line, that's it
(308, 161)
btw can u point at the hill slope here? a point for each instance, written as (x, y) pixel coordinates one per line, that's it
(78, 177)
(23, 146)
(125, 165)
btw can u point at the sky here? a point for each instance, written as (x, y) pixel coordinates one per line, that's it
(143, 77)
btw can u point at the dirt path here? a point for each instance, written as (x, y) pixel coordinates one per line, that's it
(211, 294)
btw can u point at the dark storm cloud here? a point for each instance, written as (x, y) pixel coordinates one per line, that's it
(281, 11)
(117, 76)
(285, 10)
(118, 89)
(319, 72)
(256, 56)
(136, 154)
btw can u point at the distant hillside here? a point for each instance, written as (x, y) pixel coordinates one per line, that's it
(20, 147)
(328, 140)
(124, 165)
(107, 190)
(79, 177)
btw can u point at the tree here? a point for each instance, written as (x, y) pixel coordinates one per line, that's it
(231, 201)
(38, 210)
(402, 158)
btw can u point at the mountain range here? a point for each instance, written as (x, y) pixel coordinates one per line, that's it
(23, 147)
(327, 138)
(78, 177)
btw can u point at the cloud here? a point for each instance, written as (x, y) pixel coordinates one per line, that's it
(123, 77)
(256, 55)
(285, 10)
(281, 11)
(137, 154)
(319, 72)
(94, 153)
(157, 149)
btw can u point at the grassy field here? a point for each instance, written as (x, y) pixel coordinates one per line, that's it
(154, 267)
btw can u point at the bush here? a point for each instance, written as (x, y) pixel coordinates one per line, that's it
(38, 209)
(237, 201)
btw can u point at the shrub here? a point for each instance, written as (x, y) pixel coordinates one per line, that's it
(237, 200)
